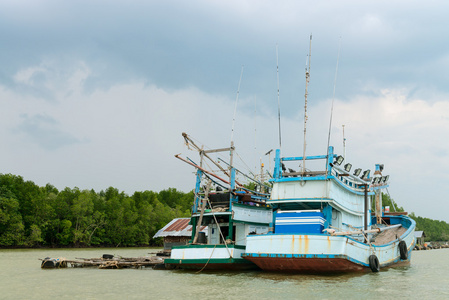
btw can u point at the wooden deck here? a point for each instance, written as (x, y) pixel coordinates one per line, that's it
(389, 235)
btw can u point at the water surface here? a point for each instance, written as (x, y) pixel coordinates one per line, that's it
(21, 277)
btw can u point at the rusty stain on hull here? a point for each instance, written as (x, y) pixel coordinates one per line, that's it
(306, 248)
(306, 265)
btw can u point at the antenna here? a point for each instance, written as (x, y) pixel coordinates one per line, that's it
(305, 108)
(279, 101)
(344, 142)
(255, 135)
(332, 107)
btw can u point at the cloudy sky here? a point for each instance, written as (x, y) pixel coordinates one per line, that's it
(97, 93)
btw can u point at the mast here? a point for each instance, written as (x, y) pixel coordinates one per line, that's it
(378, 196)
(255, 135)
(305, 108)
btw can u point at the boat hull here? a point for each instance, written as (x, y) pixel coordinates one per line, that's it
(213, 264)
(209, 257)
(311, 265)
(324, 253)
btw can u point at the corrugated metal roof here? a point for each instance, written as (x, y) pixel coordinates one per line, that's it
(178, 227)
(419, 234)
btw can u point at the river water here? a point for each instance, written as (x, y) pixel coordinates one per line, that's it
(21, 277)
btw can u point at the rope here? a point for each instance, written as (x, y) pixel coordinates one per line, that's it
(219, 230)
(207, 260)
(247, 167)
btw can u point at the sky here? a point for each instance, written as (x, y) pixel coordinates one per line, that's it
(96, 94)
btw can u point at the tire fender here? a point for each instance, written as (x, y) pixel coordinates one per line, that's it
(374, 263)
(403, 250)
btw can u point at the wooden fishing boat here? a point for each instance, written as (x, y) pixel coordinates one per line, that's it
(229, 210)
(322, 222)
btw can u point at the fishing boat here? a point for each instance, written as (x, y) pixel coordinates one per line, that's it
(322, 221)
(229, 210)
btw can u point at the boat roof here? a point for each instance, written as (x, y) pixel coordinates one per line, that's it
(419, 234)
(178, 227)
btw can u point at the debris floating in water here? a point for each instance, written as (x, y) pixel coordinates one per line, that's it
(108, 261)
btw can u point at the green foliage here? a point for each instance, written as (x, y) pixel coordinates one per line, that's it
(11, 226)
(434, 230)
(34, 216)
(31, 215)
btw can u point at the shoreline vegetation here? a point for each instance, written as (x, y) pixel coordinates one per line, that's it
(44, 217)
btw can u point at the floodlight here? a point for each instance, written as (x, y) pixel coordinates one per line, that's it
(357, 172)
(339, 160)
(381, 167)
(348, 167)
(365, 175)
(385, 178)
(376, 180)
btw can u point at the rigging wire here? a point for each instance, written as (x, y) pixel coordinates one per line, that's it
(279, 101)
(332, 106)
(235, 106)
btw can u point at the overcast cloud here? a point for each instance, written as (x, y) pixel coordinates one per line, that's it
(97, 93)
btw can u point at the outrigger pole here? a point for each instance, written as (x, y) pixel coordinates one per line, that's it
(204, 170)
(253, 179)
(205, 152)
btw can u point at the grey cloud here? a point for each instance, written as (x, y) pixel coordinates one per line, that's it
(44, 131)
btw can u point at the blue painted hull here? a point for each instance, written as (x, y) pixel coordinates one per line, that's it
(322, 253)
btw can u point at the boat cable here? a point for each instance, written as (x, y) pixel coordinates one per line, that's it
(246, 165)
(219, 229)
(207, 260)
(392, 201)
(235, 106)
(332, 105)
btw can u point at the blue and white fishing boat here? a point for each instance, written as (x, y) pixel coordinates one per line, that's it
(322, 222)
(231, 213)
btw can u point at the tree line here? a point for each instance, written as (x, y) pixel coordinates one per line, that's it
(434, 230)
(33, 216)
